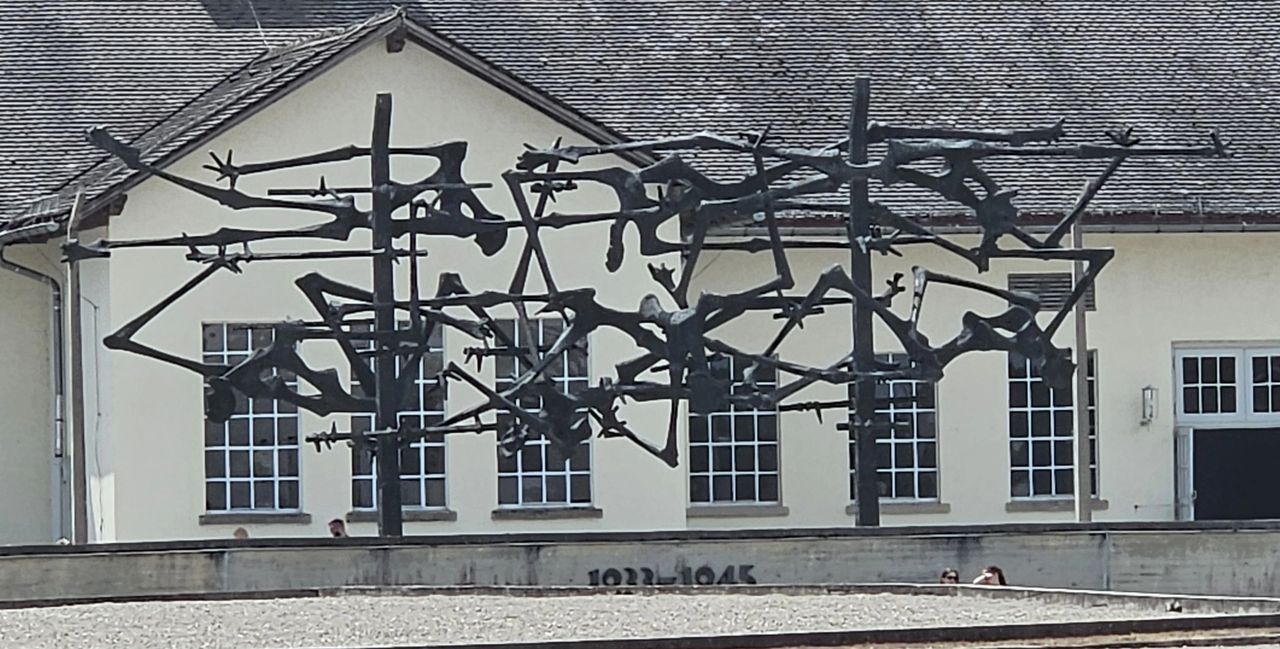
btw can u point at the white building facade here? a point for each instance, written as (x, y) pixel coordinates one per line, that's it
(1183, 324)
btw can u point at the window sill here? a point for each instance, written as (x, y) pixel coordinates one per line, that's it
(255, 518)
(544, 513)
(906, 507)
(408, 515)
(736, 511)
(1052, 505)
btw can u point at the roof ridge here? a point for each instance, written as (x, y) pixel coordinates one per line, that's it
(325, 36)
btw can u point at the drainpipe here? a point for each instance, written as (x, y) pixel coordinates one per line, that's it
(1083, 454)
(55, 359)
(79, 456)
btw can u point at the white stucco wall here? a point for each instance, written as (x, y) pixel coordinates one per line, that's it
(1161, 290)
(97, 389)
(28, 469)
(144, 419)
(156, 410)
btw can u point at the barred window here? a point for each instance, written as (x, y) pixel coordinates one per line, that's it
(251, 461)
(1041, 426)
(539, 474)
(906, 454)
(422, 472)
(733, 454)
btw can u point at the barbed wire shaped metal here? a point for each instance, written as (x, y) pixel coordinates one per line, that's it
(676, 334)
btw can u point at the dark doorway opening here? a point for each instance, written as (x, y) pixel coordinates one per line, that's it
(1236, 473)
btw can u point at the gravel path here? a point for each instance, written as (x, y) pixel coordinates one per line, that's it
(362, 620)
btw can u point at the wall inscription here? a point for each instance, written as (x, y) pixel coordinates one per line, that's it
(684, 575)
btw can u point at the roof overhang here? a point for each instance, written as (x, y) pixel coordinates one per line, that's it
(395, 28)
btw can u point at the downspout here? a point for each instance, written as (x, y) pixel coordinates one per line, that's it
(79, 454)
(55, 357)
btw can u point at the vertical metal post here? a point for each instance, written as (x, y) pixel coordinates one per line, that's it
(859, 227)
(79, 466)
(390, 521)
(1084, 480)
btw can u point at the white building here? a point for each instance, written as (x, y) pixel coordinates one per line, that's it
(115, 446)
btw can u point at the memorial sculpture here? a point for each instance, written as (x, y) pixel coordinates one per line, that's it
(381, 334)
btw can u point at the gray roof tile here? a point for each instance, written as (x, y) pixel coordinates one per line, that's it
(648, 68)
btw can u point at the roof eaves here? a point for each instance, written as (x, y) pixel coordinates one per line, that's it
(1138, 221)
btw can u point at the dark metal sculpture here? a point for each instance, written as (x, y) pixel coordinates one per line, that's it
(675, 345)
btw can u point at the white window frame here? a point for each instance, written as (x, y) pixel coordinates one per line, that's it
(422, 446)
(1184, 501)
(1251, 353)
(542, 446)
(1095, 477)
(915, 440)
(733, 414)
(1243, 353)
(280, 411)
(1182, 415)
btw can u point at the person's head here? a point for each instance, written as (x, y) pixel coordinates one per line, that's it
(949, 576)
(337, 528)
(240, 533)
(991, 576)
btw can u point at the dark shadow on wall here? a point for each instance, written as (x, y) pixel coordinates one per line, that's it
(238, 14)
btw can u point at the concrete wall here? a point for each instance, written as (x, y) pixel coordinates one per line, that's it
(1223, 561)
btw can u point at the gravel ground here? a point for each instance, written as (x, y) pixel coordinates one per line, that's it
(363, 620)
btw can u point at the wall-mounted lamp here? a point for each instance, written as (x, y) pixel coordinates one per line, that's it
(1149, 396)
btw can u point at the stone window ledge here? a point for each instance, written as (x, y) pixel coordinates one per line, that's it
(255, 518)
(736, 511)
(906, 507)
(1052, 505)
(408, 515)
(544, 513)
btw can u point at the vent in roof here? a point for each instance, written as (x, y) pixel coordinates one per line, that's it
(1053, 289)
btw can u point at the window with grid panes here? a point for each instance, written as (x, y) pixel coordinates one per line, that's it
(539, 474)
(1264, 382)
(733, 455)
(1041, 426)
(907, 454)
(251, 461)
(1238, 384)
(1209, 383)
(422, 473)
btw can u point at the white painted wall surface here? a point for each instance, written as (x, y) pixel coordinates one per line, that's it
(147, 417)
(97, 389)
(28, 469)
(1160, 290)
(156, 410)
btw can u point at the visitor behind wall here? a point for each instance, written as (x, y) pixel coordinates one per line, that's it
(949, 576)
(991, 576)
(338, 528)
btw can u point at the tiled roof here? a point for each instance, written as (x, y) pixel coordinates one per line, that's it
(262, 75)
(648, 68)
